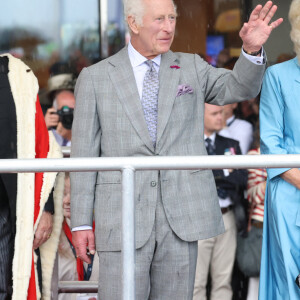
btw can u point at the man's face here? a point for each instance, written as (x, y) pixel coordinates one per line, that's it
(213, 118)
(67, 198)
(65, 98)
(156, 34)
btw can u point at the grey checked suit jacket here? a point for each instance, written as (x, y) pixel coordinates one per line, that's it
(109, 122)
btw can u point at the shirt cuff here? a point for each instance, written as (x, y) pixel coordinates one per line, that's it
(82, 227)
(258, 60)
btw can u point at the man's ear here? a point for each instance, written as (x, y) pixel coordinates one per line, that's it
(134, 27)
(234, 105)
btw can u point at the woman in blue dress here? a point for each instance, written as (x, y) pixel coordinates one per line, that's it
(280, 134)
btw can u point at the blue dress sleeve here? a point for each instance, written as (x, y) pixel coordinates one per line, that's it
(271, 116)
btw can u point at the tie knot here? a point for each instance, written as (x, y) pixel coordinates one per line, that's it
(208, 141)
(210, 147)
(150, 64)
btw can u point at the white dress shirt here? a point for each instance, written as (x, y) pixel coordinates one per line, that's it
(258, 60)
(139, 66)
(239, 130)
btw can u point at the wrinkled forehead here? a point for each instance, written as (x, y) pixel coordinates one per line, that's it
(163, 7)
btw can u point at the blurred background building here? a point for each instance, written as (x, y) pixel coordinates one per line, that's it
(81, 32)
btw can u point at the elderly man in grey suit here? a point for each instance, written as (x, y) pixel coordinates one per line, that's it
(146, 101)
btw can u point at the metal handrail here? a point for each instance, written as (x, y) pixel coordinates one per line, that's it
(149, 163)
(68, 287)
(128, 166)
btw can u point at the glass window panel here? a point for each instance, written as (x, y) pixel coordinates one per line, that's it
(113, 27)
(43, 33)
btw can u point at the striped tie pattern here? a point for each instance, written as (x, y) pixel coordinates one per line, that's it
(150, 100)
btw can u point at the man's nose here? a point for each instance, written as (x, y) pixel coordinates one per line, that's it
(168, 25)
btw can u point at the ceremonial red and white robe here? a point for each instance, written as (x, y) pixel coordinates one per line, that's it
(33, 141)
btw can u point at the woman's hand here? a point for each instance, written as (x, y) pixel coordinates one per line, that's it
(292, 176)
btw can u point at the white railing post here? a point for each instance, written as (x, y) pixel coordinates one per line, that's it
(128, 234)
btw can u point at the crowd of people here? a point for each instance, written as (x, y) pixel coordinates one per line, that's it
(147, 101)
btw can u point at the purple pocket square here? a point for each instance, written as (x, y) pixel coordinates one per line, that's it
(184, 89)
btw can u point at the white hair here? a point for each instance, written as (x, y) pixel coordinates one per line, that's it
(136, 8)
(294, 17)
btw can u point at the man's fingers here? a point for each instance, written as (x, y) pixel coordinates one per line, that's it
(40, 237)
(266, 10)
(54, 118)
(86, 258)
(255, 13)
(270, 14)
(36, 242)
(84, 242)
(82, 253)
(51, 118)
(91, 245)
(43, 230)
(51, 109)
(276, 23)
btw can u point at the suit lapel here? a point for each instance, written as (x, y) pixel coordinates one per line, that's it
(122, 77)
(219, 145)
(168, 83)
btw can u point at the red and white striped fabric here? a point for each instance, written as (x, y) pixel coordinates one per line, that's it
(256, 189)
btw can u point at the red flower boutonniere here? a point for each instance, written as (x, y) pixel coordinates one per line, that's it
(175, 67)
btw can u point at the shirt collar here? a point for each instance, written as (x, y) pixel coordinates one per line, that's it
(230, 120)
(137, 59)
(212, 137)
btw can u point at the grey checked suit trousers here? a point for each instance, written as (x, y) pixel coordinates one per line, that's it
(165, 266)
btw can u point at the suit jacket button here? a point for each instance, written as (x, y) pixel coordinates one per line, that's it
(153, 183)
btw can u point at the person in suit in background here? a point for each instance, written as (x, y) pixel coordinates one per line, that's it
(30, 210)
(216, 255)
(147, 101)
(236, 128)
(62, 111)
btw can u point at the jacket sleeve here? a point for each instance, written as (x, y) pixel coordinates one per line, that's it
(271, 120)
(86, 142)
(223, 86)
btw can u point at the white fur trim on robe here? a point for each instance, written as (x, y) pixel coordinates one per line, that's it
(24, 87)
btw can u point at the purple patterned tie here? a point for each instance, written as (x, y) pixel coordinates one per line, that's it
(150, 99)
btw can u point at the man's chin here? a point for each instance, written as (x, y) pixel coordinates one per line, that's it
(164, 49)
